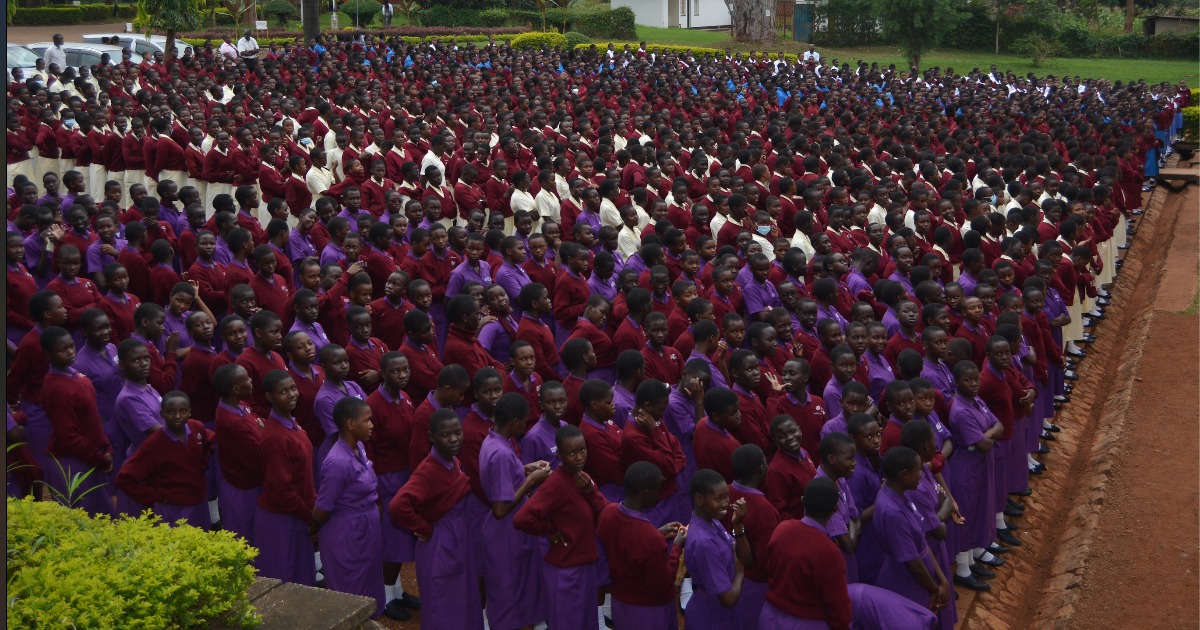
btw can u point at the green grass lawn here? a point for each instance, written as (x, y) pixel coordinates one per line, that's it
(1152, 70)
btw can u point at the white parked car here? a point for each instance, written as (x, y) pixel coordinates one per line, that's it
(141, 44)
(81, 54)
(21, 57)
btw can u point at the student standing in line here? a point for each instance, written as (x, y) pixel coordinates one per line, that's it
(347, 513)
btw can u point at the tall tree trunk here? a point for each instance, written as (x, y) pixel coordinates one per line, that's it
(1130, 10)
(171, 53)
(997, 30)
(312, 19)
(752, 22)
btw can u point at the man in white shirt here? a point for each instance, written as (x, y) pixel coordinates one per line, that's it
(247, 48)
(56, 55)
(811, 55)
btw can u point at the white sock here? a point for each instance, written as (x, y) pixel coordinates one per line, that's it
(397, 588)
(600, 616)
(962, 563)
(389, 592)
(540, 626)
(485, 621)
(1032, 462)
(317, 560)
(1045, 421)
(1000, 524)
(214, 515)
(607, 606)
(986, 556)
(685, 592)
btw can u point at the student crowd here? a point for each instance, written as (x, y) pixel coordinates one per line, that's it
(775, 342)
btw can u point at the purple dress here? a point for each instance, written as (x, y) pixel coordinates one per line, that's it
(881, 374)
(623, 401)
(327, 396)
(708, 553)
(971, 475)
(925, 497)
(864, 485)
(495, 338)
(775, 619)
(939, 375)
(350, 541)
(680, 420)
(901, 528)
(759, 297)
(876, 608)
(513, 278)
(138, 409)
(839, 522)
(836, 424)
(512, 559)
(1019, 444)
(463, 274)
(833, 396)
(446, 563)
(102, 368)
(314, 330)
(538, 443)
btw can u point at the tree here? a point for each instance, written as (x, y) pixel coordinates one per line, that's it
(1130, 11)
(312, 19)
(172, 16)
(752, 21)
(917, 25)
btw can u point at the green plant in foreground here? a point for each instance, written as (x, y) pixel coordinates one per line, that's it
(68, 570)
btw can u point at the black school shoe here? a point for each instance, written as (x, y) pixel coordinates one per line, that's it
(1006, 536)
(409, 600)
(996, 549)
(1054, 428)
(972, 582)
(1024, 492)
(982, 572)
(395, 610)
(1049, 437)
(994, 562)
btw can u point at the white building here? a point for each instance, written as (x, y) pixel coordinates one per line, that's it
(678, 13)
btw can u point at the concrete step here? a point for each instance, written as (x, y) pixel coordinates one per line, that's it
(294, 607)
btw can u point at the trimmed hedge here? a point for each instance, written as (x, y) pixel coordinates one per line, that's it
(68, 570)
(540, 40)
(197, 42)
(66, 15)
(696, 51)
(393, 31)
(1191, 123)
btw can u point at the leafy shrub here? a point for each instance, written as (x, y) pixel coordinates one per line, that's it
(223, 16)
(366, 11)
(695, 51)
(540, 40)
(1037, 48)
(574, 39)
(1077, 41)
(617, 24)
(67, 570)
(280, 10)
(445, 15)
(95, 12)
(47, 16)
(1191, 123)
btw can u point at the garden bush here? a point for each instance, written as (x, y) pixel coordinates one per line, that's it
(367, 11)
(1077, 41)
(60, 15)
(66, 570)
(574, 39)
(48, 16)
(444, 15)
(279, 10)
(1191, 123)
(540, 40)
(616, 24)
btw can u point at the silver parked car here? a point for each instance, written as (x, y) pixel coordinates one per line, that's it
(81, 54)
(21, 57)
(144, 45)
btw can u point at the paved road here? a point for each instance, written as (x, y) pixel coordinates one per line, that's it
(74, 32)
